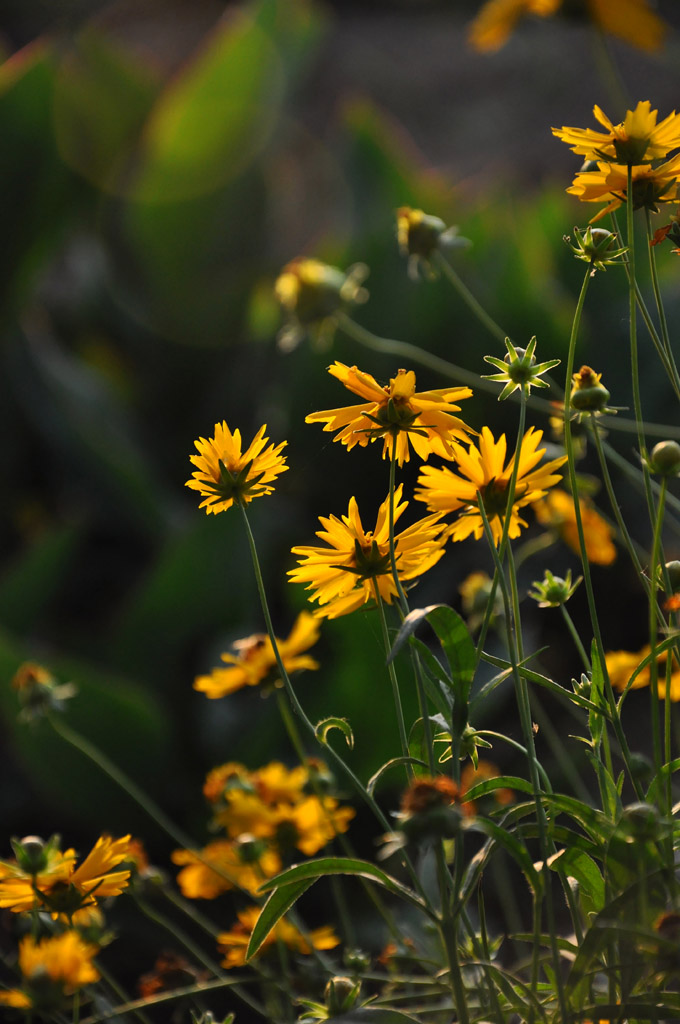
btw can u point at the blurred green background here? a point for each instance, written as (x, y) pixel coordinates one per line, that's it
(160, 162)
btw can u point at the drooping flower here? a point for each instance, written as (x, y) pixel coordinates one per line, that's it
(630, 20)
(420, 236)
(556, 512)
(427, 418)
(254, 662)
(224, 865)
(484, 475)
(234, 943)
(224, 474)
(623, 665)
(61, 887)
(342, 575)
(312, 294)
(51, 969)
(637, 139)
(609, 184)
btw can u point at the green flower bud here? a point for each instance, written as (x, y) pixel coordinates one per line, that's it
(553, 591)
(673, 570)
(32, 853)
(665, 458)
(340, 995)
(641, 821)
(588, 394)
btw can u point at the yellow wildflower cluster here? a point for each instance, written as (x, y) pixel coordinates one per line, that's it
(623, 666)
(635, 146)
(51, 969)
(266, 815)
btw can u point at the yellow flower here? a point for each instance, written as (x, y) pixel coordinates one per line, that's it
(255, 663)
(484, 475)
(609, 183)
(622, 664)
(425, 418)
(343, 574)
(64, 960)
(630, 20)
(310, 824)
(235, 942)
(636, 139)
(62, 888)
(556, 511)
(224, 865)
(224, 475)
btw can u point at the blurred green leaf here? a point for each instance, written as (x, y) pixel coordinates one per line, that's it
(35, 577)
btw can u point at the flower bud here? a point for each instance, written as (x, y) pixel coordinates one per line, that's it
(587, 394)
(32, 853)
(553, 591)
(596, 246)
(665, 458)
(673, 570)
(341, 994)
(641, 821)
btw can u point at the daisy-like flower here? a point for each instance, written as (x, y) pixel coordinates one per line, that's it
(427, 418)
(312, 294)
(224, 475)
(342, 575)
(51, 969)
(637, 139)
(622, 665)
(58, 885)
(234, 943)
(224, 865)
(630, 20)
(484, 475)
(519, 369)
(254, 662)
(556, 512)
(609, 184)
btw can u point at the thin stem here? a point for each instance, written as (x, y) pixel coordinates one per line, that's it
(592, 606)
(653, 629)
(675, 378)
(469, 299)
(448, 931)
(569, 623)
(396, 696)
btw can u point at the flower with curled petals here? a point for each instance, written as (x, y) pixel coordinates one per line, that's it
(427, 418)
(609, 184)
(342, 575)
(224, 474)
(637, 139)
(254, 662)
(484, 476)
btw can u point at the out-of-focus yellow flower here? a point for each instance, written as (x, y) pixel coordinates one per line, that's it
(224, 865)
(556, 512)
(312, 294)
(64, 960)
(224, 475)
(255, 663)
(343, 574)
(622, 664)
(484, 475)
(61, 887)
(637, 139)
(234, 943)
(309, 825)
(609, 184)
(425, 418)
(630, 20)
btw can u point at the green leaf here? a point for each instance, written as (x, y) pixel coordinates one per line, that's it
(583, 869)
(278, 904)
(395, 762)
(314, 869)
(375, 1015)
(455, 640)
(35, 577)
(500, 782)
(323, 727)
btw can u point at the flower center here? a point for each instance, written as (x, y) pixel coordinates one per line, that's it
(494, 497)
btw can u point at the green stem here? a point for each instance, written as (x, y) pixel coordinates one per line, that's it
(449, 929)
(569, 622)
(396, 696)
(653, 629)
(469, 299)
(592, 606)
(675, 378)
